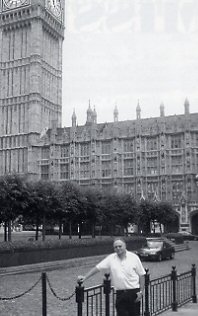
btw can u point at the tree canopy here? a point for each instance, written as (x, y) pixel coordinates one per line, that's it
(43, 203)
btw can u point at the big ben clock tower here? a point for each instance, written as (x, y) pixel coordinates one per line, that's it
(31, 36)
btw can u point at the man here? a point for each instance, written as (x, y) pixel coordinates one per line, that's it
(127, 276)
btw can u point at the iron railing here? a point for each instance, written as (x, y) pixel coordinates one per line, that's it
(160, 294)
(169, 291)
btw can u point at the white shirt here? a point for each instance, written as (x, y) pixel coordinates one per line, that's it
(124, 273)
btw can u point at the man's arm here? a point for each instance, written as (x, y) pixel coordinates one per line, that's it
(93, 271)
(142, 283)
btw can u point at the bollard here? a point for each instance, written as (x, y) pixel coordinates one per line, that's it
(147, 282)
(79, 297)
(107, 291)
(44, 294)
(174, 288)
(194, 296)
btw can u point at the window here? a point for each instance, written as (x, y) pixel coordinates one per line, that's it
(151, 144)
(128, 145)
(176, 164)
(152, 165)
(85, 149)
(106, 148)
(152, 189)
(64, 171)
(84, 170)
(177, 188)
(45, 172)
(64, 151)
(176, 141)
(128, 167)
(45, 153)
(106, 169)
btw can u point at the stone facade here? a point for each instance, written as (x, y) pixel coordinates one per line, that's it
(31, 36)
(155, 158)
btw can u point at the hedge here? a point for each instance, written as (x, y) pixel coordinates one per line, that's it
(21, 253)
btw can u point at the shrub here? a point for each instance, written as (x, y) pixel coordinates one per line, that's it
(63, 243)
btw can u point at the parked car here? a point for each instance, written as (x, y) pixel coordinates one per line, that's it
(188, 236)
(28, 227)
(156, 249)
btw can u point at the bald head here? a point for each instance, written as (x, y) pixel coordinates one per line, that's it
(119, 241)
(119, 246)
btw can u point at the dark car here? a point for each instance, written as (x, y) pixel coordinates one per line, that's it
(188, 236)
(156, 249)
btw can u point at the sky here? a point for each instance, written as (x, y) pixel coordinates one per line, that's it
(121, 52)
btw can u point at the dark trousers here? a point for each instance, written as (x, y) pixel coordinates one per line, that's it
(125, 303)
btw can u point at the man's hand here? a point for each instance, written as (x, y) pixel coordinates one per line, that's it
(139, 296)
(80, 278)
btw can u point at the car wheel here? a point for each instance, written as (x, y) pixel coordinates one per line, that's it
(160, 257)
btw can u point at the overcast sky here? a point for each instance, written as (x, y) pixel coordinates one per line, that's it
(117, 52)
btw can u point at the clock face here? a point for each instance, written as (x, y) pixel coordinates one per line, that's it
(10, 4)
(55, 7)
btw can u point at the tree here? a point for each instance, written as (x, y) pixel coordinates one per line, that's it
(71, 201)
(93, 207)
(166, 215)
(42, 201)
(13, 200)
(146, 215)
(128, 210)
(112, 210)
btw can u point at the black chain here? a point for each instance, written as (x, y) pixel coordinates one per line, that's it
(54, 293)
(20, 295)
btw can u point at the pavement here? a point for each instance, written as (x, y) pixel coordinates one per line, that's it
(190, 309)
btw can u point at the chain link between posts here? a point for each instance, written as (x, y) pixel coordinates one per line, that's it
(54, 293)
(22, 294)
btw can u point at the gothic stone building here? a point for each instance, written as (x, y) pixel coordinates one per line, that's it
(155, 158)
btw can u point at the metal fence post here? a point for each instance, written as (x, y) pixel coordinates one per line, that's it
(107, 291)
(146, 291)
(194, 296)
(44, 294)
(79, 297)
(174, 289)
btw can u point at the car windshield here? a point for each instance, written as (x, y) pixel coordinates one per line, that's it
(154, 244)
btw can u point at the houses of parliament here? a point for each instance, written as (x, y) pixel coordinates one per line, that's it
(154, 158)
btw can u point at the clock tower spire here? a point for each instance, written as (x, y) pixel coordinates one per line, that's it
(31, 36)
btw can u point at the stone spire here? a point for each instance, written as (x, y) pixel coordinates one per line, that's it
(74, 119)
(115, 114)
(89, 114)
(186, 106)
(138, 111)
(162, 110)
(94, 116)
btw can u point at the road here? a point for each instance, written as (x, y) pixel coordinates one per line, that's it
(63, 281)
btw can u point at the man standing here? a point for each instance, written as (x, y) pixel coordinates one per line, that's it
(127, 276)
